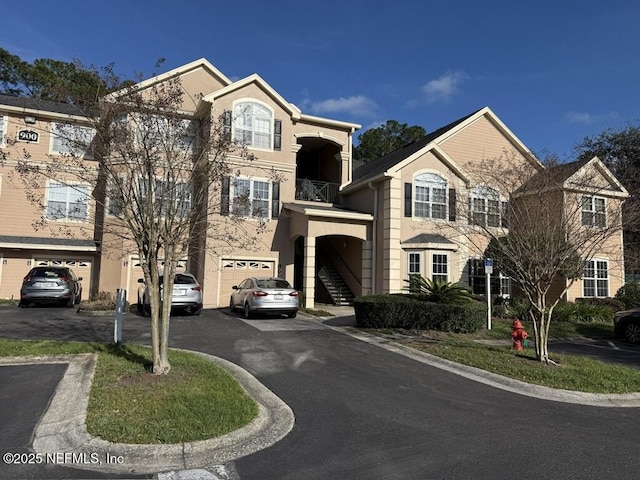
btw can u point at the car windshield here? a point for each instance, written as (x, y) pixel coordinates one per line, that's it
(48, 273)
(273, 283)
(183, 279)
(180, 279)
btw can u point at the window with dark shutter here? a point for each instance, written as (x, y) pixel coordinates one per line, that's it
(452, 204)
(227, 124)
(408, 187)
(277, 135)
(504, 212)
(224, 200)
(275, 200)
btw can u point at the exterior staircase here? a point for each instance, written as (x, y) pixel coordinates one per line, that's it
(335, 285)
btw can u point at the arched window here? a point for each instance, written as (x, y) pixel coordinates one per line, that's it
(252, 124)
(486, 208)
(430, 196)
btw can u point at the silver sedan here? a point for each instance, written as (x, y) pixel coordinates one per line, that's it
(266, 295)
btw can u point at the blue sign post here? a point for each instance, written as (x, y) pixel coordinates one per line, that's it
(488, 269)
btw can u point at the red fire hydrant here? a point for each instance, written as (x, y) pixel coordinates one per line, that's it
(518, 334)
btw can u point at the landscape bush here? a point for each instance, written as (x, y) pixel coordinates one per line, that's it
(629, 295)
(413, 312)
(614, 303)
(103, 301)
(583, 312)
(510, 307)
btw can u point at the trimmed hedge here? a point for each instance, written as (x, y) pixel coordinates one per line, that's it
(409, 312)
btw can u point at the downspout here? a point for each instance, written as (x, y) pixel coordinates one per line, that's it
(374, 236)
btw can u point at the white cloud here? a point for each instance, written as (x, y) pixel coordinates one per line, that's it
(443, 88)
(579, 117)
(355, 105)
(584, 118)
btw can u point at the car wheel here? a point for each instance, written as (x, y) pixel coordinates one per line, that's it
(232, 307)
(71, 303)
(632, 332)
(196, 311)
(146, 310)
(292, 314)
(23, 304)
(139, 306)
(247, 310)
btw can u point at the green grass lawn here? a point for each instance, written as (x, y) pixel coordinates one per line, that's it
(570, 372)
(196, 400)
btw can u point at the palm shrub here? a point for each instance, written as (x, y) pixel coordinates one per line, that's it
(437, 291)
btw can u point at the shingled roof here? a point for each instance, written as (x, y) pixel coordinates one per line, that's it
(29, 103)
(384, 163)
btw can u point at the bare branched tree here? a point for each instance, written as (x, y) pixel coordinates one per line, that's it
(542, 226)
(158, 178)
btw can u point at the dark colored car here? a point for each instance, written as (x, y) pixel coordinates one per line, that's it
(187, 294)
(51, 284)
(627, 324)
(264, 295)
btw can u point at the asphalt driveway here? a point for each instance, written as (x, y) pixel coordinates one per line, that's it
(365, 412)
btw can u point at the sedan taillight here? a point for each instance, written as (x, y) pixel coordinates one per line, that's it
(293, 294)
(259, 294)
(197, 289)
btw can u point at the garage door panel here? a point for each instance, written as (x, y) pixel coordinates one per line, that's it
(235, 270)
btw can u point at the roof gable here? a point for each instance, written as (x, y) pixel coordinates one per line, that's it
(394, 161)
(294, 111)
(201, 63)
(593, 170)
(581, 175)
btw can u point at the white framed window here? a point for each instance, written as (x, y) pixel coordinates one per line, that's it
(159, 132)
(414, 264)
(163, 193)
(500, 283)
(430, 196)
(486, 208)
(440, 267)
(67, 202)
(250, 197)
(70, 139)
(414, 268)
(252, 124)
(594, 212)
(595, 281)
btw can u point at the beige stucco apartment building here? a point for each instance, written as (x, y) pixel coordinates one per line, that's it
(333, 232)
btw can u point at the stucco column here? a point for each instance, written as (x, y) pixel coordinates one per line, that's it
(309, 274)
(367, 267)
(392, 214)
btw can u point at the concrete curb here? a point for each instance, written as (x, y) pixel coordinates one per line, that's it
(63, 428)
(627, 400)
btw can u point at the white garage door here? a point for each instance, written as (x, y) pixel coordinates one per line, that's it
(81, 267)
(235, 270)
(135, 272)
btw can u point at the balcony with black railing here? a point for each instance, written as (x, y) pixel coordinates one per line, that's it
(316, 191)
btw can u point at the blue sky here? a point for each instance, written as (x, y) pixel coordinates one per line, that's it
(553, 71)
